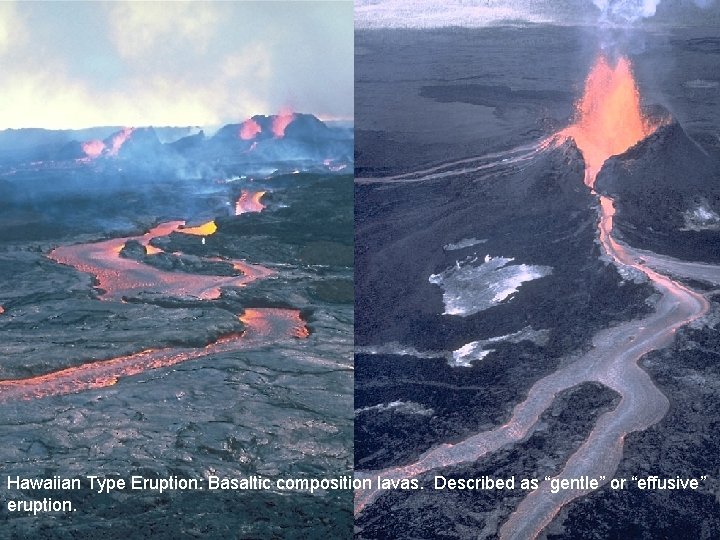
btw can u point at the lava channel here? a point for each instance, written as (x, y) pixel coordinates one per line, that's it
(262, 326)
(118, 277)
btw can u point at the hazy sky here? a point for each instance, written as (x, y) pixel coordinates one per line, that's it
(81, 64)
(478, 13)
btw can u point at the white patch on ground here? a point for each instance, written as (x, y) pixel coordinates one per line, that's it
(701, 218)
(400, 407)
(395, 348)
(476, 350)
(467, 354)
(628, 273)
(701, 84)
(462, 244)
(469, 288)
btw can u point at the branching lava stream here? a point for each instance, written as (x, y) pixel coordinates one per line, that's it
(118, 277)
(609, 121)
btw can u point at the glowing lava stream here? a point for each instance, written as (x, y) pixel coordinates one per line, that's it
(613, 359)
(118, 276)
(262, 326)
(249, 201)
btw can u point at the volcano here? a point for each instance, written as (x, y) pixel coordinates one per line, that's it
(531, 288)
(303, 143)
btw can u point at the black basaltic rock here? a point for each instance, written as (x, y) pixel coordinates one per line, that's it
(667, 195)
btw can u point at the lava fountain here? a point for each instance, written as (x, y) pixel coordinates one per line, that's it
(608, 117)
(93, 148)
(119, 139)
(249, 129)
(282, 121)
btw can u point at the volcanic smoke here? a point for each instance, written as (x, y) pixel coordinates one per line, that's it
(608, 119)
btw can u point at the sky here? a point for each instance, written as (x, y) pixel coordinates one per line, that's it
(82, 64)
(479, 13)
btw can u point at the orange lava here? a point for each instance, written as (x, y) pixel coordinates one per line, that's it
(261, 326)
(93, 149)
(609, 119)
(2, 310)
(249, 201)
(249, 129)
(206, 229)
(259, 320)
(119, 139)
(119, 277)
(281, 122)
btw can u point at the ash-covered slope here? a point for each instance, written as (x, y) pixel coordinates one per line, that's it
(667, 194)
(517, 211)
(534, 211)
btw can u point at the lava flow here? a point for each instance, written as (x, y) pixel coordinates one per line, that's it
(249, 201)
(609, 121)
(262, 325)
(206, 229)
(118, 277)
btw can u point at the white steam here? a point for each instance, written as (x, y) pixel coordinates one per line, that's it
(630, 11)
(626, 10)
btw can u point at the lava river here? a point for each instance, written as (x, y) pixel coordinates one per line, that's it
(608, 121)
(118, 277)
(262, 326)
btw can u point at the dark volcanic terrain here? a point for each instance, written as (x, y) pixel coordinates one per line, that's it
(479, 272)
(219, 343)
